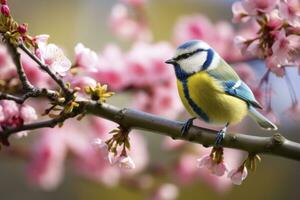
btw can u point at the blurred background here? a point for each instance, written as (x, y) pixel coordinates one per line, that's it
(71, 21)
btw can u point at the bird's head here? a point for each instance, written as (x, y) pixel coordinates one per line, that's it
(193, 56)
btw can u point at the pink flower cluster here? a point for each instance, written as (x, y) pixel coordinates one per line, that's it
(52, 55)
(14, 115)
(141, 70)
(88, 159)
(188, 168)
(220, 35)
(127, 25)
(277, 39)
(219, 169)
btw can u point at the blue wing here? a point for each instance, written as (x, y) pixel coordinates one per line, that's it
(240, 90)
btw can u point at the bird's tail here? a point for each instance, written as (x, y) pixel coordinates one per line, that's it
(261, 120)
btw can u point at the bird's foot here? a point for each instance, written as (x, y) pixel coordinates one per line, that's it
(187, 125)
(220, 136)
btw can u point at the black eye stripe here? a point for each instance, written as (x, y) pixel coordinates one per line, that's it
(186, 55)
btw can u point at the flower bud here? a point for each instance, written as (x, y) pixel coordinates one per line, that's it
(126, 162)
(5, 10)
(3, 2)
(22, 29)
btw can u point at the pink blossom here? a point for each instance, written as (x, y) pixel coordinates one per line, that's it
(281, 48)
(126, 162)
(2, 115)
(85, 57)
(241, 43)
(290, 11)
(160, 100)
(112, 68)
(237, 176)
(81, 81)
(46, 168)
(185, 170)
(100, 127)
(254, 50)
(100, 145)
(274, 22)
(139, 152)
(218, 169)
(10, 108)
(127, 28)
(220, 35)
(10, 115)
(28, 113)
(47, 165)
(41, 39)
(254, 6)
(166, 191)
(35, 75)
(90, 163)
(145, 63)
(54, 57)
(112, 158)
(275, 68)
(239, 13)
(193, 27)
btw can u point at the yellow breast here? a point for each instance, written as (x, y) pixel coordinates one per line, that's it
(209, 96)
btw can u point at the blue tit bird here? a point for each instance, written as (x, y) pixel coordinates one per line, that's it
(211, 90)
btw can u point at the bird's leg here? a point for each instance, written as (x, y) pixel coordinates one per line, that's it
(220, 136)
(187, 125)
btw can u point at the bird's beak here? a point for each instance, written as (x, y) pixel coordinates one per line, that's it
(171, 61)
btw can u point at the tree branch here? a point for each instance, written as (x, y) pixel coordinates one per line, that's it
(276, 144)
(134, 119)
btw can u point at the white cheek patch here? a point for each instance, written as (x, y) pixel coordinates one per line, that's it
(215, 62)
(193, 63)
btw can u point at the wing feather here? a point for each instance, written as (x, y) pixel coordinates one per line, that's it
(232, 84)
(240, 90)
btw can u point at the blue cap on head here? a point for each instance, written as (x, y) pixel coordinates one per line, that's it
(189, 44)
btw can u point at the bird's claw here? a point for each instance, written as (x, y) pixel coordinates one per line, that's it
(219, 138)
(186, 126)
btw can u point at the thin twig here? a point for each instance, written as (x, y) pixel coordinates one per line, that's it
(45, 68)
(27, 86)
(6, 96)
(36, 125)
(264, 78)
(36, 92)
